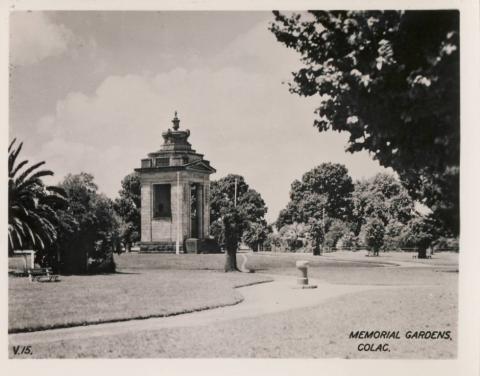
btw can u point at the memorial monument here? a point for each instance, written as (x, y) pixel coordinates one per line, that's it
(175, 205)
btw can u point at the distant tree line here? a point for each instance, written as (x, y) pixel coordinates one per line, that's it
(327, 210)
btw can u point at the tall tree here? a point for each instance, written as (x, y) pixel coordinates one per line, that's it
(250, 204)
(255, 235)
(127, 207)
(324, 192)
(391, 80)
(420, 234)
(374, 235)
(235, 209)
(95, 225)
(382, 197)
(32, 215)
(222, 194)
(232, 227)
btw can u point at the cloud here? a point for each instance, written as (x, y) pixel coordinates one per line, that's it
(240, 116)
(33, 38)
(225, 109)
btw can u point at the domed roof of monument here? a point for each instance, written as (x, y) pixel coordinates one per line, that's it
(176, 152)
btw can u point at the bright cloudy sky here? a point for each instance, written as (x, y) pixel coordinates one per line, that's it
(92, 91)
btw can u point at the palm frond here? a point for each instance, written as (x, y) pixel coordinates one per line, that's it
(58, 190)
(11, 144)
(22, 187)
(32, 212)
(22, 177)
(19, 166)
(12, 156)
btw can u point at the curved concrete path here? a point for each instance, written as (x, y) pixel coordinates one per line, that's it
(259, 299)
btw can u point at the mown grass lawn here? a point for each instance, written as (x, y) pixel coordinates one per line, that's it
(353, 268)
(417, 297)
(317, 332)
(79, 300)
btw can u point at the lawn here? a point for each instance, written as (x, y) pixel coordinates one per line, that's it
(316, 332)
(78, 300)
(353, 268)
(419, 295)
(149, 261)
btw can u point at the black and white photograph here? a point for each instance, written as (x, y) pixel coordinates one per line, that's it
(237, 184)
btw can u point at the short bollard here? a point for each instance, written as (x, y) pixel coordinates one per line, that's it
(302, 280)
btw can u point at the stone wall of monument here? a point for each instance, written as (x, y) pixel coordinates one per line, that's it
(165, 229)
(145, 212)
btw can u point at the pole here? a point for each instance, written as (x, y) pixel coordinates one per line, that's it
(177, 246)
(323, 227)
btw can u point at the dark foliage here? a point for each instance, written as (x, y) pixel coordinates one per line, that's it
(391, 80)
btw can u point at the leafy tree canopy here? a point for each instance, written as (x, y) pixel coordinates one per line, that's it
(92, 227)
(250, 210)
(255, 234)
(391, 80)
(250, 203)
(374, 234)
(419, 233)
(382, 197)
(127, 206)
(326, 189)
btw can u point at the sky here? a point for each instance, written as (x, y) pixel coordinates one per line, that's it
(92, 91)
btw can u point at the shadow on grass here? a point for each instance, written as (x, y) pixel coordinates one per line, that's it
(97, 274)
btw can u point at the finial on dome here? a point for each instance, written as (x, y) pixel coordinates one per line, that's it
(176, 122)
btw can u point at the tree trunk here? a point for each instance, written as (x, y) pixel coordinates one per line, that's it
(231, 260)
(422, 253)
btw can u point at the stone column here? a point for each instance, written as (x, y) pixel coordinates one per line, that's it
(177, 198)
(200, 210)
(146, 212)
(187, 215)
(206, 210)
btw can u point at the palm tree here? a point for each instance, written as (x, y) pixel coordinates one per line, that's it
(32, 216)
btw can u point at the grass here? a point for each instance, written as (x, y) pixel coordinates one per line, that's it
(316, 332)
(79, 300)
(145, 261)
(422, 296)
(353, 268)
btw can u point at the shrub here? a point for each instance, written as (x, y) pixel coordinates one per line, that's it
(348, 241)
(419, 233)
(393, 235)
(374, 235)
(293, 237)
(272, 243)
(444, 243)
(336, 231)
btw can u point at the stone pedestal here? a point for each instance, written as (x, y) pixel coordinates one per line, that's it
(302, 266)
(302, 280)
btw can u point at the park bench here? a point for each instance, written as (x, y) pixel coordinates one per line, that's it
(42, 275)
